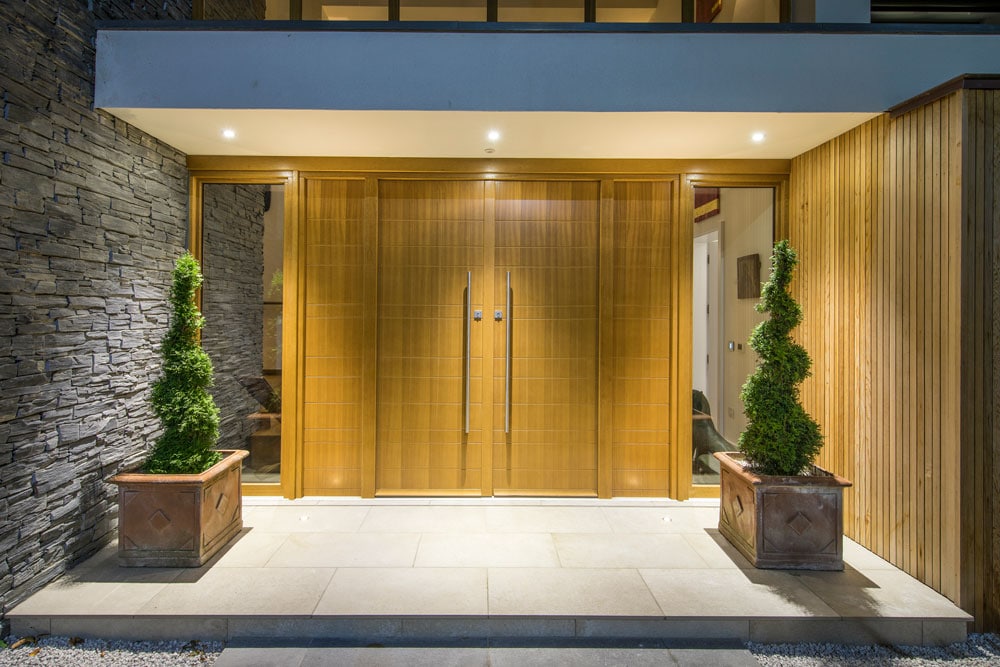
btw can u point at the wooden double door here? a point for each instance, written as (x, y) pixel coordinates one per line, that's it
(487, 350)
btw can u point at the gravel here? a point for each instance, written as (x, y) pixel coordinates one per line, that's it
(68, 652)
(71, 651)
(976, 650)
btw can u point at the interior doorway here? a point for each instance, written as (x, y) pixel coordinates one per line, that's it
(733, 236)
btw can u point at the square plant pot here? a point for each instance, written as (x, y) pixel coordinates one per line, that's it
(794, 523)
(179, 520)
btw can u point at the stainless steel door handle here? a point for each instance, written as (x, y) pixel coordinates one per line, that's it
(468, 346)
(506, 412)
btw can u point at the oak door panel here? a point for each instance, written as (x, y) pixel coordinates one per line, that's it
(430, 237)
(547, 237)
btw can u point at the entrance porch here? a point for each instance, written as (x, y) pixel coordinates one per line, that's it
(489, 569)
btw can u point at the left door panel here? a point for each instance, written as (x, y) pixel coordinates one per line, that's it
(429, 431)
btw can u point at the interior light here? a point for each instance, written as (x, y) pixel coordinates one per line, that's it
(228, 133)
(493, 135)
(757, 137)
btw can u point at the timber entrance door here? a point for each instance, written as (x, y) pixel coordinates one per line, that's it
(487, 337)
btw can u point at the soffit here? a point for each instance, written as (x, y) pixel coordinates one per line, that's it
(463, 134)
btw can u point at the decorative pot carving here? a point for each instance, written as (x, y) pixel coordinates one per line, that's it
(782, 522)
(179, 520)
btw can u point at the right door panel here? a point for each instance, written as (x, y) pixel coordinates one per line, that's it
(545, 432)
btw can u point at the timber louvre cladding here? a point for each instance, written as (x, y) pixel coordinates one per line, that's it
(895, 222)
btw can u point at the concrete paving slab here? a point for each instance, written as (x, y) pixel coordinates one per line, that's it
(405, 592)
(322, 549)
(487, 550)
(468, 569)
(733, 594)
(241, 592)
(570, 592)
(547, 520)
(425, 519)
(619, 550)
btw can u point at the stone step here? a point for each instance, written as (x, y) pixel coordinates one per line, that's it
(367, 629)
(297, 654)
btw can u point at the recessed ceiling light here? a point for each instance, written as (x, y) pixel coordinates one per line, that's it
(228, 133)
(493, 135)
(757, 137)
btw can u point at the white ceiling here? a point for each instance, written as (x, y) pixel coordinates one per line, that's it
(622, 135)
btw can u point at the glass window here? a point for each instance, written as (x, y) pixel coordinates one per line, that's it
(638, 11)
(540, 11)
(733, 236)
(242, 259)
(442, 10)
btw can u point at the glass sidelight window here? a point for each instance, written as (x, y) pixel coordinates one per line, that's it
(242, 259)
(733, 236)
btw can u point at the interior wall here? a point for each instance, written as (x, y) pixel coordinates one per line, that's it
(893, 282)
(747, 222)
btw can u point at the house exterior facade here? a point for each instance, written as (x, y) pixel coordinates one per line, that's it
(446, 321)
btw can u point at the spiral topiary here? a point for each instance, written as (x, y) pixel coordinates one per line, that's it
(780, 438)
(180, 397)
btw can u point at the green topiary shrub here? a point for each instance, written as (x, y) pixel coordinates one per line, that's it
(180, 397)
(780, 438)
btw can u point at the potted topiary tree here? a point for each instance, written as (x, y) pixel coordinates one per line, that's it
(775, 506)
(185, 502)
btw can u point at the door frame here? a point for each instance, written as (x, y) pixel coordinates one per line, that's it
(290, 385)
(294, 173)
(779, 185)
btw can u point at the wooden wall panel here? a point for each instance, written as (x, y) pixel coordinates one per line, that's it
(874, 215)
(334, 337)
(643, 342)
(980, 296)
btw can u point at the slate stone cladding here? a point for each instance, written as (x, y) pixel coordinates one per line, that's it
(93, 213)
(223, 10)
(232, 301)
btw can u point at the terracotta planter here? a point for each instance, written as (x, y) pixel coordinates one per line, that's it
(782, 522)
(179, 520)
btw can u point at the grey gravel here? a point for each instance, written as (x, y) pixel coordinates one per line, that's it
(978, 649)
(69, 652)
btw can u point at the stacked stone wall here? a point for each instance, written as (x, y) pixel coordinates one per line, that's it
(234, 10)
(93, 213)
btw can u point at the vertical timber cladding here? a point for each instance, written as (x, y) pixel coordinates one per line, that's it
(573, 349)
(334, 338)
(980, 356)
(644, 226)
(875, 215)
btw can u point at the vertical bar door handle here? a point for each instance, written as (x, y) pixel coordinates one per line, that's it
(468, 346)
(506, 398)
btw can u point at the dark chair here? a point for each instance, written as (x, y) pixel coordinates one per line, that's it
(706, 440)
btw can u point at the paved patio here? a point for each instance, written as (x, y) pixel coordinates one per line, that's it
(479, 570)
